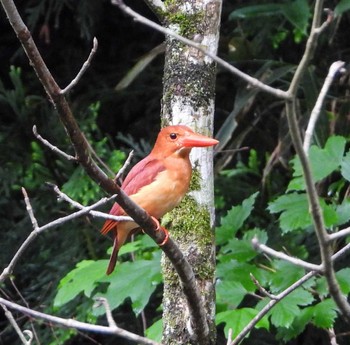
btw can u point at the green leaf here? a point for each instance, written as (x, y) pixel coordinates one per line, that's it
(155, 331)
(342, 6)
(343, 277)
(81, 279)
(256, 11)
(324, 313)
(294, 210)
(343, 212)
(284, 312)
(345, 166)
(230, 292)
(298, 13)
(280, 280)
(136, 280)
(241, 250)
(323, 162)
(295, 213)
(239, 272)
(238, 319)
(234, 220)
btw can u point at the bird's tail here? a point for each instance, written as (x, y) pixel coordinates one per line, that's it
(114, 256)
(120, 237)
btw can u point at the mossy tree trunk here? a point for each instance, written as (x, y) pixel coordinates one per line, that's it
(188, 98)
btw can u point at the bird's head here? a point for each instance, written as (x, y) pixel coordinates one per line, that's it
(180, 139)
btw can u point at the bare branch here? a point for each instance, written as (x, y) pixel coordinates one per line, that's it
(333, 70)
(269, 306)
(316, 30)
(30, 209)
(339, 234)
(261, 288)
(14, 324)
(72, 323)
(250, 80)
(103, 301)
(298, 262)
(125, 166)
(52, 147)
(83, 68)
(37, 230)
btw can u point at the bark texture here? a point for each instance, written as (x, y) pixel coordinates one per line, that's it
(188, 98)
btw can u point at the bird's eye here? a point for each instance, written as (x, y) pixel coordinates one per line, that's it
(173, 136)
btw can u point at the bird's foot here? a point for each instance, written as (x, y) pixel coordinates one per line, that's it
(165, 231)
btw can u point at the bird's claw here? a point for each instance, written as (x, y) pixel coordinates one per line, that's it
(165, 231)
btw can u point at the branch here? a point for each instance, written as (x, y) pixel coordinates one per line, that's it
(72, 323)
(250, 80)
(269, 306)
(279, 255)
(333, 70)
(81, 147)
(52, 147)
(83, 68)
(14, 324)
(37, 230)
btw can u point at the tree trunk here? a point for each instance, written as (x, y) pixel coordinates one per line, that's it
(188, 98)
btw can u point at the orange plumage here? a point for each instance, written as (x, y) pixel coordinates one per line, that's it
(158, 182)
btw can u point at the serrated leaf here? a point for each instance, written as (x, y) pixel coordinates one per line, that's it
(234, 220)
(240, 272)
(81, 279)
(230, 292)
(284, 313)
(238, 319)
(324, 313)
(136, 280)
(323, 162)
(343, 277)
(295, 213)
(240, 250)
(280, 280)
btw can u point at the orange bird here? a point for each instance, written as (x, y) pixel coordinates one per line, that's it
(158, 182)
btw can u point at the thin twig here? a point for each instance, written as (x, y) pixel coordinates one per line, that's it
(126, 164)
(14, 324)
(298, 262)
(261, 288)
(333, 70)
(269, 306)
(250, 80)
(30, 209)
(83, 68)
(103, 301)
(94, 213)
(52, 147)
(72, 323)
(339, 234)
(37, 230)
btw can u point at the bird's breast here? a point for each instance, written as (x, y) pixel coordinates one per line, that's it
(167, 190)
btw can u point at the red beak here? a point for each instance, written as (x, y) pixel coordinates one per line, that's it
(198, 140)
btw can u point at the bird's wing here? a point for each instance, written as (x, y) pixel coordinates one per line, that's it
(142, 174)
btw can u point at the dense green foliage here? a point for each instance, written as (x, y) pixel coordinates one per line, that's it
(259, 191)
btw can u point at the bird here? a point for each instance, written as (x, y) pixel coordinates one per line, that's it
(157, 183)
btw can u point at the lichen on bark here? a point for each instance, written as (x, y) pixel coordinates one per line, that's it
(188, 98)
